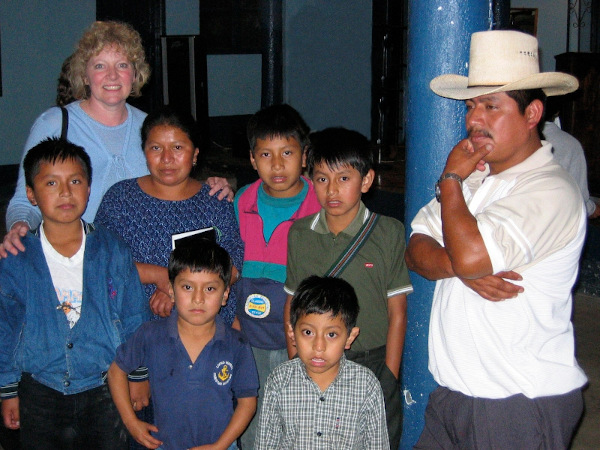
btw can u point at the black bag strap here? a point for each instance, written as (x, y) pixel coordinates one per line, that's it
(353, 248)
(65, 123)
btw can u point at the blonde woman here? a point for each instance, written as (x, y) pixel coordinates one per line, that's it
(107, 67)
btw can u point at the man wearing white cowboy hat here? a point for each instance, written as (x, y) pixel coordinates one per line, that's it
(503, 240)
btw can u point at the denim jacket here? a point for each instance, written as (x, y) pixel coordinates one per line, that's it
(34, 330)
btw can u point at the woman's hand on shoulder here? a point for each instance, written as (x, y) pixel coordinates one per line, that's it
(220, 184)
(12, 241)
(161, 302)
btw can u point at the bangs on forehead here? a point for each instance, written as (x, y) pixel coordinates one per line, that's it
(339, 165)
(61, 158)
(277, 135)
(333, 165)
(113, 47)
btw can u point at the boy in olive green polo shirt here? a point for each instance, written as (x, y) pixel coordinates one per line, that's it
(340, 164)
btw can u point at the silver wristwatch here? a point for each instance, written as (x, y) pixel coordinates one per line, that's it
(442, 178)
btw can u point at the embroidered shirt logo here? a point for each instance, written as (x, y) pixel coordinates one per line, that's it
(369, 265)
(257, 306)
(112, 292)
(223, 372)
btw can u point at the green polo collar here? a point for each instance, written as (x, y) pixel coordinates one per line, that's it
(319, 224)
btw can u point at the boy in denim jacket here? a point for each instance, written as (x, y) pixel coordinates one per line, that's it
(66, 304)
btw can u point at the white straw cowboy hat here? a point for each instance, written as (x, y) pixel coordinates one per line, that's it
(500, 61)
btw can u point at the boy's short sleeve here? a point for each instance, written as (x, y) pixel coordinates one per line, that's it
(131, 354)
(245, 380)
(397, 271)
(293, 277)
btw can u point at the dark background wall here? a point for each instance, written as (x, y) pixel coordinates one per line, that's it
(327, 50)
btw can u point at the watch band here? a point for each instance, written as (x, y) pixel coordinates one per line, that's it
(450, 175)
(447, 175)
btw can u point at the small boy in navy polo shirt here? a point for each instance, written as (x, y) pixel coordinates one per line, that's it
(197, 366)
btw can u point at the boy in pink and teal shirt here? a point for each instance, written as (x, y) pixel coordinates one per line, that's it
(266, 209)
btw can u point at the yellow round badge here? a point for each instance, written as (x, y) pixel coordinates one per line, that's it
(257, 306)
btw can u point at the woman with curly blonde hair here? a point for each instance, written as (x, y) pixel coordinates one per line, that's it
(107, 67)
(101, 36)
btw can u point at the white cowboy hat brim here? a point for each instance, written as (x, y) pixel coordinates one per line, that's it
(457, 87)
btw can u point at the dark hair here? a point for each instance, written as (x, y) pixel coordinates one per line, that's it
(203, 256)
(64, 93)
(51, 150)
(174, 118)
(281, 121)
(323, 295)
(339, 147)
(524, 98)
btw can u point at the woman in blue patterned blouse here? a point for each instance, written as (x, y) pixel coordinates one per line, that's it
(146, 211)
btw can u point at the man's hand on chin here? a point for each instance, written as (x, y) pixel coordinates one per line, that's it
(464, 158)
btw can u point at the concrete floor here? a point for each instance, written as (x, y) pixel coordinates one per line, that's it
(586, 320)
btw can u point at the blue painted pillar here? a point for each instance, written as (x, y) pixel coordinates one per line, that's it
(438, 42)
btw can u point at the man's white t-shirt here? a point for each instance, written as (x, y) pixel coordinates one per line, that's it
(533, 221)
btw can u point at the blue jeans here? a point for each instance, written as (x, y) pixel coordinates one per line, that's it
(51, 420)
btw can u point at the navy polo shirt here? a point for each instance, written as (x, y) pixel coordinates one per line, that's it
(193, 403)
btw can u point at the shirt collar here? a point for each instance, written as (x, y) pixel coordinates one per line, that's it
(282, 202)
(87, 228)
(539, 158)
(337, 377)
(319, 223)
(173, 332)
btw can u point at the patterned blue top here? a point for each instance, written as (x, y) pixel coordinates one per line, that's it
(146, 223)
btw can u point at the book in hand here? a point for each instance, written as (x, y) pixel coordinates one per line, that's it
(190, 238)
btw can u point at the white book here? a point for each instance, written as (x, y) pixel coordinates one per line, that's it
(189, 237)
